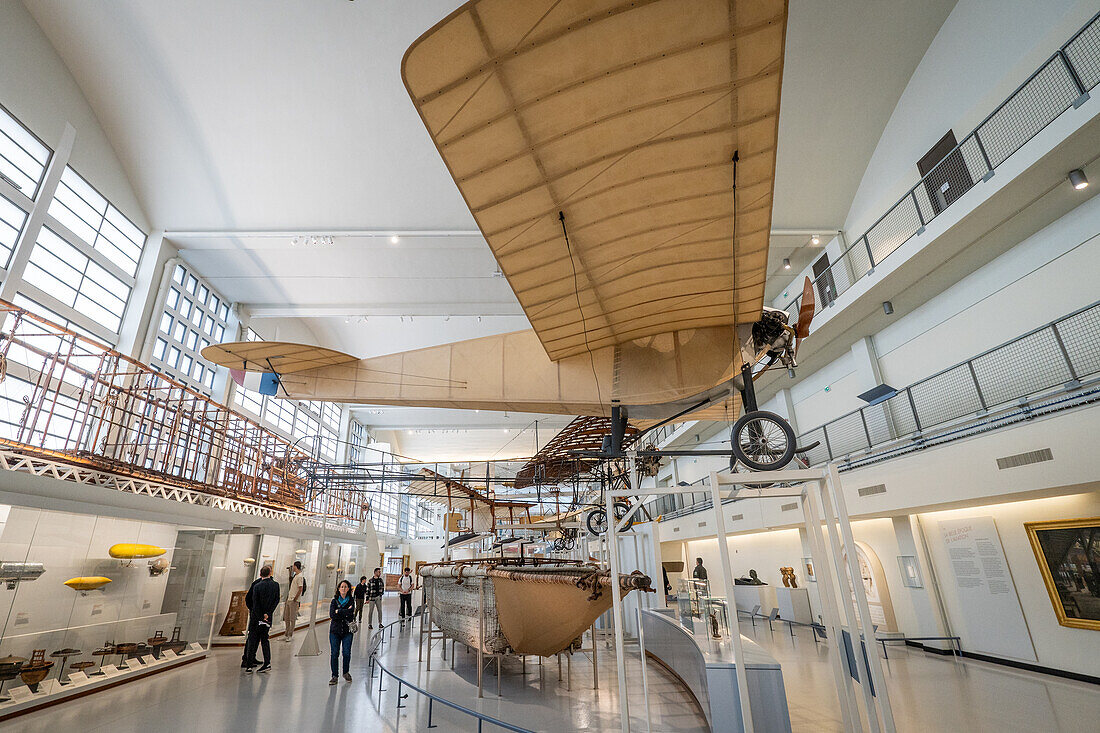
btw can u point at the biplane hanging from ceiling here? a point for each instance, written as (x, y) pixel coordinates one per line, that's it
(619, 158)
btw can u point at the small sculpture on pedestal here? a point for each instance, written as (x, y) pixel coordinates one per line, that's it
(789, 579)
(714, 625)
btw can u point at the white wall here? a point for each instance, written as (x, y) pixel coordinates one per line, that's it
(983, 51)
(38, 89)
(1058, 647)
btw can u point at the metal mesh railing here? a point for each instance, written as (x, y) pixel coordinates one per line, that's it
(1060, 83)
(1065, 352)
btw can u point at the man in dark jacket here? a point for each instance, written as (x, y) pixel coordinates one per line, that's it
(262, 599)
(376, 587)
(360, 593)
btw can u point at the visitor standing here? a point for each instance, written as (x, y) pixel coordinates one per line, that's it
(376, 587)
(341, 630)
(360, 598)
(700, 572)
(295, 589)
(262, 599)
(405, 593)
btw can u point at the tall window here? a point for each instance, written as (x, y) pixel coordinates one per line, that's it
(84, 259)
(23, 160)
(193, 317)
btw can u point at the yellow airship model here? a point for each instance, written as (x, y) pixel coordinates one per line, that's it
(133, 551)
(86, 583)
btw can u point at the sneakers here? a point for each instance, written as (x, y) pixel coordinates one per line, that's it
(332, 681)
(265, 668)
(347, 677)
(370, 626)
(249, 669)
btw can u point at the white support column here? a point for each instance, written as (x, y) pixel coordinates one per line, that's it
(140, 320)
(786, 408)
(731, 605)
(883, 695)
(929, 621)
(844, 582)
(849, 711)
(616, 602)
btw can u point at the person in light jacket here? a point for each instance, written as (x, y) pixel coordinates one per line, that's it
(405, 592)
(376, 588)
(341, 612)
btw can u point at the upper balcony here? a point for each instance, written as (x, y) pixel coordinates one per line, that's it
(1017, 158)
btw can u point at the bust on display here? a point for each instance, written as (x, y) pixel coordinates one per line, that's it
(753, 579)
(789, 579)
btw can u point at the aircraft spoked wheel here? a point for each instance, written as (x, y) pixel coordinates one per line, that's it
(597, 518)
(763, 441)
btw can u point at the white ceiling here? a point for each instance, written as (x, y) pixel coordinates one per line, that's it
(288, 115)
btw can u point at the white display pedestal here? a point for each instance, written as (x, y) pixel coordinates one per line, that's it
(749, 596)
(794, 604)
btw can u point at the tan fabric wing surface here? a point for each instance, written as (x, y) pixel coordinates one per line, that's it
(625, 117)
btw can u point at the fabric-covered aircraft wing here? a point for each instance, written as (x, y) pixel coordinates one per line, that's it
(625, 117)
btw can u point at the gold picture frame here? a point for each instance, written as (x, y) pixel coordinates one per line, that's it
(1073, 588)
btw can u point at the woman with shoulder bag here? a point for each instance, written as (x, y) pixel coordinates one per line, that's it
(341, 629)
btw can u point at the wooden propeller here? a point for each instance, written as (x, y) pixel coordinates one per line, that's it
(805, 314)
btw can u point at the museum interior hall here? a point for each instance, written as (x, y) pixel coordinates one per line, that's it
(625, 366)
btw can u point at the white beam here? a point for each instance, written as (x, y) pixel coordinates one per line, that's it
(320, 232)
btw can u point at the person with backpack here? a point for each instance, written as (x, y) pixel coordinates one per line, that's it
(262, 599)
(341, 630)
(376, 588)
(295, 590)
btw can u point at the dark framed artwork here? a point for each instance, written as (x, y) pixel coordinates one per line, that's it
(1068, 553)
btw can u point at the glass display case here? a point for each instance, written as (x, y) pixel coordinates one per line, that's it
(86, 597)
(700, 612)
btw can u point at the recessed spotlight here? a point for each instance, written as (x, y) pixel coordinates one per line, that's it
(815, 239)
(394, 239)
(786, 263)
(1077, 179)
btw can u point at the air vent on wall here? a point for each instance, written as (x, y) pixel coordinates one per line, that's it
(789, 507)
(872, 490)
(702, 524)
(1023, 459)
(675, 529)
(737, 517)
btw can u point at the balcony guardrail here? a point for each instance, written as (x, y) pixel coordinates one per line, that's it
(1062, 82)
(1063, 352)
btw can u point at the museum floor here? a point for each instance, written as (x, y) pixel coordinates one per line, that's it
(928, 692)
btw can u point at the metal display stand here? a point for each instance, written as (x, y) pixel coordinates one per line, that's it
(822, 501)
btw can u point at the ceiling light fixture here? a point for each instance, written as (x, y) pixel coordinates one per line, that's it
(815, 240)
(1077, 179)
(313, 241)
(786, 263)
(394, 239)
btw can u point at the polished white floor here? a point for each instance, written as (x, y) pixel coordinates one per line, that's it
(928, 692)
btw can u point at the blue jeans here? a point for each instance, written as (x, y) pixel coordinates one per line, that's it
(334, 643)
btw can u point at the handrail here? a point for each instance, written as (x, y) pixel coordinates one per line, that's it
(1065, 78)
(432, 698)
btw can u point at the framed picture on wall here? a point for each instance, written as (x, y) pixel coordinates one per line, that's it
(910, 571)
(1068, 553)
(808, 567)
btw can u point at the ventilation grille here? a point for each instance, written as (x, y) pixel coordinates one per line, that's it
(872, 490)
(737, 517)
(789, 507)
(702, 524)
(675, 529)
(1023, 459)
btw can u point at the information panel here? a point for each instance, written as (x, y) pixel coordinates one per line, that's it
(994, 620)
